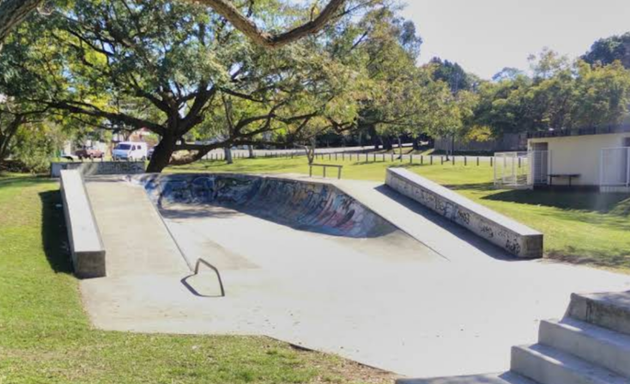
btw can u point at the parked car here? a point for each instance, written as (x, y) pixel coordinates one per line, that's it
(128, 150)
(89, 153)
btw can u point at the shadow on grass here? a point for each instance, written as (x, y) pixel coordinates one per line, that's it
(620, 260)
(472, 187)
(616, 203)
(54, 233)
(21, 181)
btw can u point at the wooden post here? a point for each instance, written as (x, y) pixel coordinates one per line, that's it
(392, 156)
(465, 161)
(431, 157)
(421, 159)
(442, 158)
(491, 160)
(477, 160)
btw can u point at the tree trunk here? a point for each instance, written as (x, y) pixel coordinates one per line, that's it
(161, 157)
(251, 151)
(400, 148)
(387, 143)
(7, 135)
(228, 155)
(416, 143)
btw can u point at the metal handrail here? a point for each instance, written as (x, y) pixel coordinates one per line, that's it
(207, 264)
(183, 254)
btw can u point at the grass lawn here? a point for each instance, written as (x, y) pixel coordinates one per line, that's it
(579, 227)
(45, 337)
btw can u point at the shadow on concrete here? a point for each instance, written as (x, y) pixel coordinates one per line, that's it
(54, 233)
(192, 290)
(473, 240)
(226, 211)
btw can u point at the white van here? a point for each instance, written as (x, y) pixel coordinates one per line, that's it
(128, 150)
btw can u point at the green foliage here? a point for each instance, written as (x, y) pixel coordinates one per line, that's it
(34, 145)
(608, 50)
(561, 95)
(452, 74)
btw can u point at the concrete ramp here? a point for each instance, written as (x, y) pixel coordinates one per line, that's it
(136, 239)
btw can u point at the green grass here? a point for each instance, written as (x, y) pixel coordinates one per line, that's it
(579, 227)
(45, 337)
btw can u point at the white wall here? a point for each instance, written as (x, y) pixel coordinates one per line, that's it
(579, 155)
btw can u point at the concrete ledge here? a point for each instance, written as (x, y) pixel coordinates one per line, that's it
(508, 234)
(88, 252)
(93, 168)
(606, 310)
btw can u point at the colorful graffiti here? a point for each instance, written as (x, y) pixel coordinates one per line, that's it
(308, 206)
(521, 241)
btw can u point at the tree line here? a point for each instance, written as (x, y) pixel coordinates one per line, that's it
(185, 72)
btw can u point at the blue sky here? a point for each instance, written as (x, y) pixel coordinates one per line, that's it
(486, 35)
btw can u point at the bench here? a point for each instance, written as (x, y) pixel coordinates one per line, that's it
(570, 176)
(310, 169)
(86, 246)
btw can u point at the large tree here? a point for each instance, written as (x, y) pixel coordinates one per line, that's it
(13, 12)
(173, 68)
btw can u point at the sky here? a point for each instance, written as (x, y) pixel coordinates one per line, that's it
(484, 36)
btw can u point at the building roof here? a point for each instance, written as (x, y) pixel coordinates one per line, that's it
(580, 131)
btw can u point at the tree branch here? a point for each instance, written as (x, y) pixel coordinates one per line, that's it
(226, 9)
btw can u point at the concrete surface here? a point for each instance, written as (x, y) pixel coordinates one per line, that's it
(386, 301)
(515, 237)
(547, 365)
(98, 167)
(609, 310)
(600, 346)
(499, 378)
(571, 350)
(86, 247)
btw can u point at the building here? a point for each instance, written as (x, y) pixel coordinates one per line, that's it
(590, 157)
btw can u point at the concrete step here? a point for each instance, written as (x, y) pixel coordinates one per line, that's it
(594, 344)
(500, 378)
(548, 365)
(607, 310)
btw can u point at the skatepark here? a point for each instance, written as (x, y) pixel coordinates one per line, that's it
(346, 267)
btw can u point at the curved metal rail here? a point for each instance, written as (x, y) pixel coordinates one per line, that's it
(204, 262)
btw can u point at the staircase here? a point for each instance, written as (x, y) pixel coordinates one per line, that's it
(591, 345)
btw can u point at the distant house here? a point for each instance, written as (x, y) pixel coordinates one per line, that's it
(590, 157)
